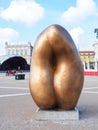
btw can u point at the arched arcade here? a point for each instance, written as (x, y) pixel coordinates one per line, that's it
(14, 62)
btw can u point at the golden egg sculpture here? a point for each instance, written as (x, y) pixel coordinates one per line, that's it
(56, 73)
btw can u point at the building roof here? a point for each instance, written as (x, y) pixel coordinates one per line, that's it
(5, 57)
(86, 52)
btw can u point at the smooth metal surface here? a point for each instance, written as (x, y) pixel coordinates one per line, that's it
(56, 75)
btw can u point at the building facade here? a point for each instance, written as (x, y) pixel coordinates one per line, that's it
(23, 50)
(88, 59)
(87, 56)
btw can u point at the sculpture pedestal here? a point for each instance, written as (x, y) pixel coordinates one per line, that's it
(56, 114)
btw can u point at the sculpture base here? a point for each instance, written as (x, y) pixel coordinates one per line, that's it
(57, 114)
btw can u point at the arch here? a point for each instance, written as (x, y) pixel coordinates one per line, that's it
(15, 62)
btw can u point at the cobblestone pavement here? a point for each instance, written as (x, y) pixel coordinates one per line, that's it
(17, 109)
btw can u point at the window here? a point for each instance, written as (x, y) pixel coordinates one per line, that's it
(91, 65)
(9, 51)
(17, 52)
(25, 51)
(21, 52)
(13, 51)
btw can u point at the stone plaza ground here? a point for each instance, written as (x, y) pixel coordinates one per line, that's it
(17, 109)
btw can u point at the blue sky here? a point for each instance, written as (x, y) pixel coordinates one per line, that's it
(22, 20)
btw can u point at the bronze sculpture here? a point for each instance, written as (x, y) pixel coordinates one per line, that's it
(56, 75)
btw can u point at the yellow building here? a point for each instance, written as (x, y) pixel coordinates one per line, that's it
(88, 59)
(87, 56)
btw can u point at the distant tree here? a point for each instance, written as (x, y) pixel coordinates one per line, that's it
(96, 31)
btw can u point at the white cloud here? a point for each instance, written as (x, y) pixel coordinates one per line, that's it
(76, 34)
(83, 9)
(9, 35)
(25, 11)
